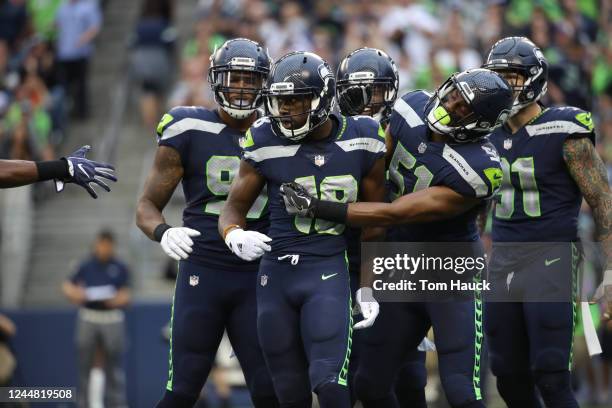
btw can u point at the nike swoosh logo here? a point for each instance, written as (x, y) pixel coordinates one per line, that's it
(326, 277)
(552, 261)
(82, 169)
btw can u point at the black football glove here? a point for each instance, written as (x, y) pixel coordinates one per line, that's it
(298, 200)
(354, 99)
(84, 172)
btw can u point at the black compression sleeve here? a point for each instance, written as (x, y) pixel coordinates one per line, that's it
(331, 211)
(53, 169)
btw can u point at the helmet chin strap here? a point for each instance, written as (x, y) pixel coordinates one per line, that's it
(518, 106)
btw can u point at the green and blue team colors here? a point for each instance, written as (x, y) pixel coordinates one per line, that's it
(470, 169)
(539, 201)
(331, 169)
(210, 154)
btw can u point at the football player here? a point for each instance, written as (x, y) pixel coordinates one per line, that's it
(367, 84)
(303, 295)
(75, 168)
(438, 140)
(215, 291)
(550, 163)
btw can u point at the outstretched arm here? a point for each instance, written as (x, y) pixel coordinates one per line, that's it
(75, 168)
(428, 205)
(431, 204)
(14, 173)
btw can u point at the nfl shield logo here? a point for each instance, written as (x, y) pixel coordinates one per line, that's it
(508, 144)
(422, 147)
(242, 141)
(319, 160)
(194, 280)
(264, 280)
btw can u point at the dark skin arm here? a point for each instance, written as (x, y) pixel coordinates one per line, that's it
(372, 189)
(15, 173)
(166, 173)
(245, 188)
(428, 205)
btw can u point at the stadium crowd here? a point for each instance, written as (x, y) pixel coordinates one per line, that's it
(45, 47)
(427, 39)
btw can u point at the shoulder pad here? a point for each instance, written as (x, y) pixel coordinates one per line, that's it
(410, 108)
(184, 118)
(566, 120)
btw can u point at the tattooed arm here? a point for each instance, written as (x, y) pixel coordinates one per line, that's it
(589, 173)
(165, 175)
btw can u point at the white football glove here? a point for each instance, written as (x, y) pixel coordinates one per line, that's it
(247, 245)
(369, 308)
(176, 242)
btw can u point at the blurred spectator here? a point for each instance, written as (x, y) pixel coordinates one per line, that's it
(193, 89)
(151, 56)
(100, 288)
(42, 14)
(13, 22)
(453, 52)
(78, 24)
(27, 123)
(7, 359)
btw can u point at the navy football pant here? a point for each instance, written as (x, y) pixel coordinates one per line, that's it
(206, 302)
(411, 381)
(531, 342)
(304, 325)
(399, 329)
(412, 377)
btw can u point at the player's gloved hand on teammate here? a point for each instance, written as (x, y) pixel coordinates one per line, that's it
(352, 100)
(247, 245)
(176, 242)
(298, 200)
(369, 307)
(84, 172)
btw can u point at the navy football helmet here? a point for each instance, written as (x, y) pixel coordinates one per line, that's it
(299, 78)
(368, 82)
(520, 56)
(469, 105)
(237, 74)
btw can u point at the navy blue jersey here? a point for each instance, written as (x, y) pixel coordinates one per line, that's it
(470, 169)
(539, 201)
(331, 169)
(210, 154)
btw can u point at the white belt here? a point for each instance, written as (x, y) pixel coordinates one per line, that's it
(101, 316)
